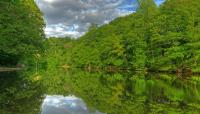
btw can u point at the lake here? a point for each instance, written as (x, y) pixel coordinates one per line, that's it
(80, 92)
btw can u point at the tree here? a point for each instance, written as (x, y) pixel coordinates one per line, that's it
(21, 26)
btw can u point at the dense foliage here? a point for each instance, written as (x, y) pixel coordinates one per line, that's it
(155, 38)
(174, 35)
(57, 53)
(21, 30)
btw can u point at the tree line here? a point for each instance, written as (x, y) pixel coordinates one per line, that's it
(156, 38)
(162, 38)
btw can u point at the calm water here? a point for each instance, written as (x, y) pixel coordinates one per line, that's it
(79, 92)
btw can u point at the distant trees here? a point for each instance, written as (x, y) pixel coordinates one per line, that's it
(21, 30)
(58, 52)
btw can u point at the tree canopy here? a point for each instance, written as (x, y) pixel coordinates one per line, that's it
(21, 26)
(164, 38)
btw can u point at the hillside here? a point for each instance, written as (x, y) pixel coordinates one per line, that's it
(164, 38)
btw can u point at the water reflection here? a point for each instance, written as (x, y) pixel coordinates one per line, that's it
(96, 92)
(19, 95)
(58, 104)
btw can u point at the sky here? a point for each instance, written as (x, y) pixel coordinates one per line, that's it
(58, 104)
(73, 17)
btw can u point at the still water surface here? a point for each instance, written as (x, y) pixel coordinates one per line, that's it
(58, 104)
(80, 92)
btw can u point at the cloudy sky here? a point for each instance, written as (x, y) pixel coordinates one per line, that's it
(58, 104)
(73, 17)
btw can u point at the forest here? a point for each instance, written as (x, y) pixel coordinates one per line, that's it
(147, 62)
(164, 38)
(22, 35)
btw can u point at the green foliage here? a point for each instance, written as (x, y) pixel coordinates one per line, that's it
(117, 44)
(19, 95)
(160, 93)
(161, 38)
(111, 93)
(21, 27)
(174, 35)
(158, 38)
(58, 52)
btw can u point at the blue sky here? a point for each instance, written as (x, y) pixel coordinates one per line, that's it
(73, 17)
(131, 5)
(159, 2)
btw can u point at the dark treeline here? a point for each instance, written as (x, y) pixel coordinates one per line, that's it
(21, 31)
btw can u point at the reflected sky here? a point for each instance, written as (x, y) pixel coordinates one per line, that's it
(58, 104)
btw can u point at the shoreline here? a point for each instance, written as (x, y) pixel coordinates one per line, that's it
(9, 69)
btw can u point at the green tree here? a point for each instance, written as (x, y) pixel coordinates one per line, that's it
(21, 26)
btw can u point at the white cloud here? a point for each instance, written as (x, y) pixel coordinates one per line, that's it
(72, 17)
(49, 0)
(60, 30)
(58, 104)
